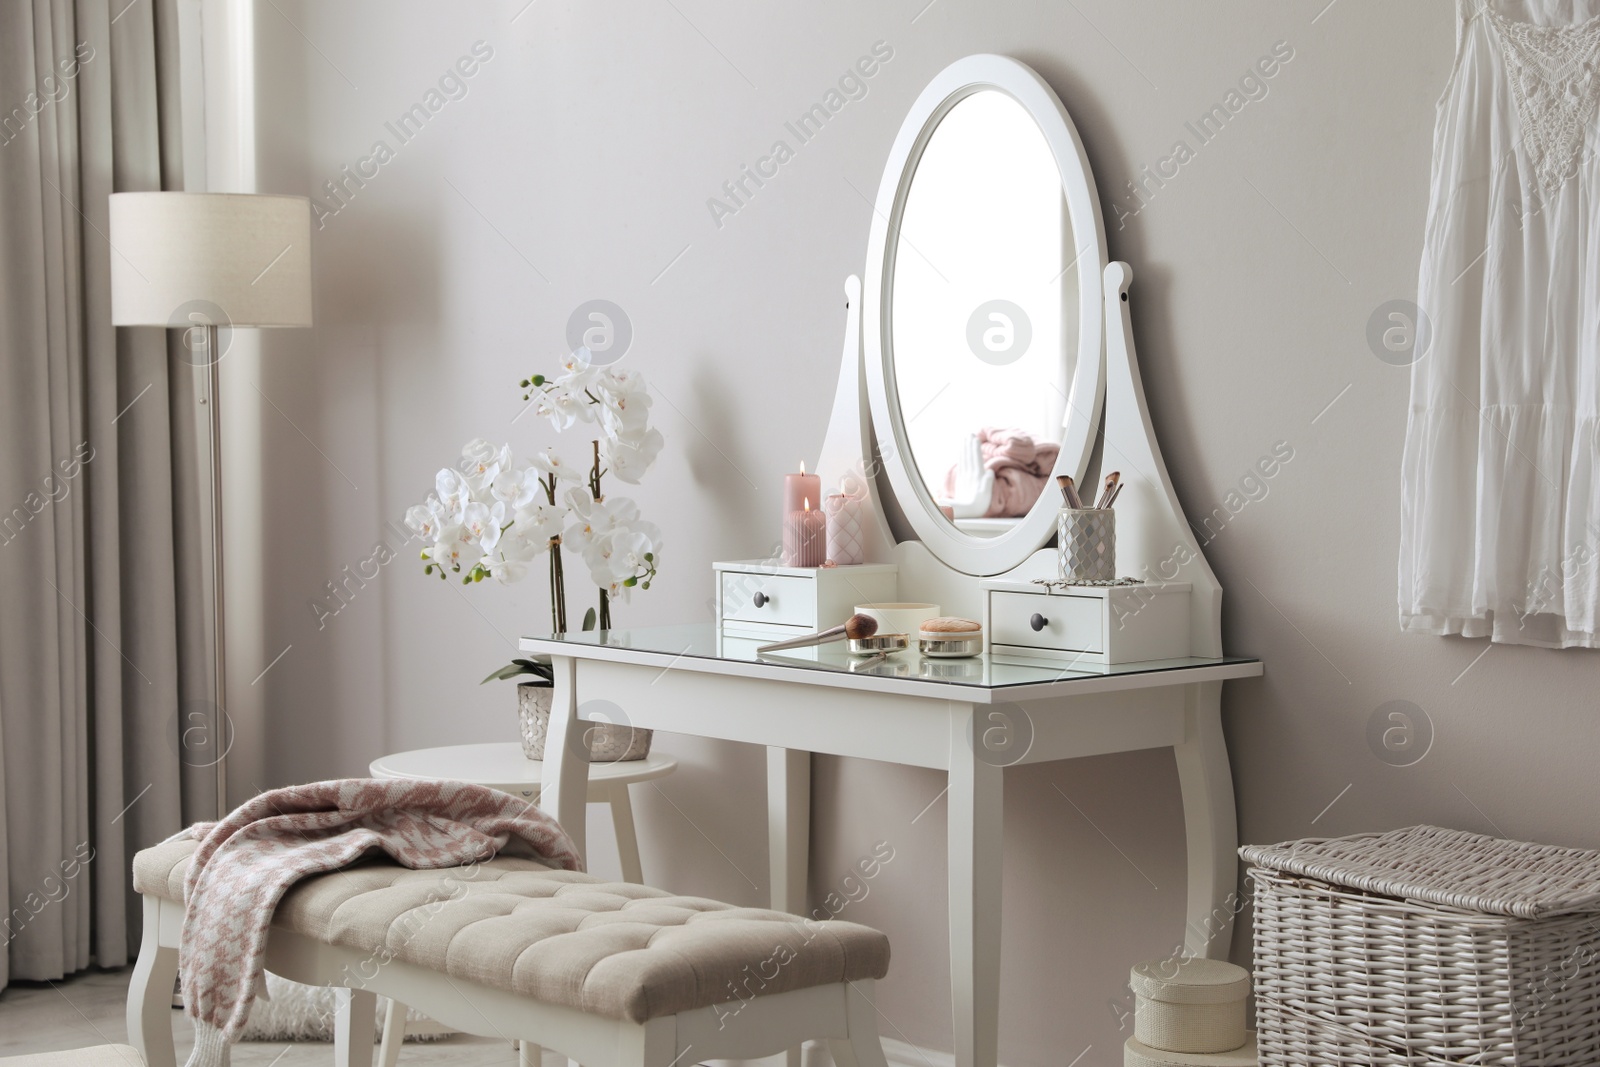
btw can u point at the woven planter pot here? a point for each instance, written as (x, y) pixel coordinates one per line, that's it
(608, 742)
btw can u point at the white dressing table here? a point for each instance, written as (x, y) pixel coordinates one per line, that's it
(686, 679)
(989, 301)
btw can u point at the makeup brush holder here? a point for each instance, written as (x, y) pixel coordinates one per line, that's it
(1086, 541)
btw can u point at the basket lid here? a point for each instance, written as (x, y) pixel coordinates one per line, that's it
(1451, 868)
(1190, 981)
(1138, 1054)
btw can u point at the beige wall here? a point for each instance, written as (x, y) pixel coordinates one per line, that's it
(579, 166)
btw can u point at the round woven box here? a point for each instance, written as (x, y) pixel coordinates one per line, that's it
(1137, 1054)
(1190, 1006)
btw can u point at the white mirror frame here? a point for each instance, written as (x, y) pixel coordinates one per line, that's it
(965, 552)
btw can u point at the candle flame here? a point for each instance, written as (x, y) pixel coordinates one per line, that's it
(806, 501)
(802, 466)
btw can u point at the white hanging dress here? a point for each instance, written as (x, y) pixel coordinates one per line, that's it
(1500, 504)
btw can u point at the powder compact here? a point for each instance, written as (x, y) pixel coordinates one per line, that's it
(878, 645)
(950, 638)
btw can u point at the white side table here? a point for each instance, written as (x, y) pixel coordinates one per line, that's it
(502, 766)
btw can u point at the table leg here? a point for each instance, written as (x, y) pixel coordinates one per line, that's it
(788, 826)
(1210, 824)
(565, 792)
(627, 839)
(975, 835)
(789, 835)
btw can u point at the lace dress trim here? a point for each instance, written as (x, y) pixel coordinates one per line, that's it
(1554, 82)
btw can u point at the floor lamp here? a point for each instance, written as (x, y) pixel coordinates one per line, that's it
(202, 263)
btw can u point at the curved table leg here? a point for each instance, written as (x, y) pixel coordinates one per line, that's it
(565, 792)
(1210, 824)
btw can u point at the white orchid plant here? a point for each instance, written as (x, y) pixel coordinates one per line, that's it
(492, 516)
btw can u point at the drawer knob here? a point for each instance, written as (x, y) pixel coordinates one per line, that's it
(760, 600)
(1038, 622)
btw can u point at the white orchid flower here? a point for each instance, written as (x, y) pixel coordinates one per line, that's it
(561, 408)
(517, 489)
(423, 521)
(578, 371)
(539, 523)
(629, 546)
(596, 518)
(455, 549)
(605, 556)
(507, 571)
(454, 493)
(550, 462)
(478, 450)
(624, 416)
(628, 460)
(622, 382)
(482, 463)
(483, 523)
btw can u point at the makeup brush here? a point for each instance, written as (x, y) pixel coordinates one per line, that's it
(1112, 501)
(854, 628)
(1111, 484)
(1069, 492)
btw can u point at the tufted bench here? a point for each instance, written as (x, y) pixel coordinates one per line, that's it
(611, 974)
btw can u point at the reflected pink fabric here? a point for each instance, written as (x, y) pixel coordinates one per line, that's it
(1021, 468)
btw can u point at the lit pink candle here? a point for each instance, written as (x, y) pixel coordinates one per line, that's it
(799, 488)
(805, 536)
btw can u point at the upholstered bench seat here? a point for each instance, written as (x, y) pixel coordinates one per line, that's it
(613, 949)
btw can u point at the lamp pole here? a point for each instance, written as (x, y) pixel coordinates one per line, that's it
(219, 626)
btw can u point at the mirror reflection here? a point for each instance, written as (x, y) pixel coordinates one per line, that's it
(983, 314)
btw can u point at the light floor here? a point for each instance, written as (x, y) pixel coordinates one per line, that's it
(89, 1010)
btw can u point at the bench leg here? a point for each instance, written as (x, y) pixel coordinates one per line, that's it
(394, 1034)
(863, 1047)
(150, 993)
(352, 1027)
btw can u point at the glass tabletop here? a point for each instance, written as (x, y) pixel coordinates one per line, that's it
(703, 641)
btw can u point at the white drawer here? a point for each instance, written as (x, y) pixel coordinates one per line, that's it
(1060, 623)
(769, 599)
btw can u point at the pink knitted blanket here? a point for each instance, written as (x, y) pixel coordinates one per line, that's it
(246, 863)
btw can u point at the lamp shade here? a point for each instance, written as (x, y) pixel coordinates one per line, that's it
(223, 259)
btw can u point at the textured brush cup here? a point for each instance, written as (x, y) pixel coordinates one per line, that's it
(1087, 544)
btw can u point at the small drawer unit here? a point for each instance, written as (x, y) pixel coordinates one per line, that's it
(1094, 624)
(764, 598)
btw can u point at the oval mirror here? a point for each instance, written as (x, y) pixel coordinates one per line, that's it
(982, 313)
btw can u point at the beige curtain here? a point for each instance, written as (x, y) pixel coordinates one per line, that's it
(103, 632)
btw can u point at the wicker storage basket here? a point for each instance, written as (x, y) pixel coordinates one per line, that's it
(1426, 947)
